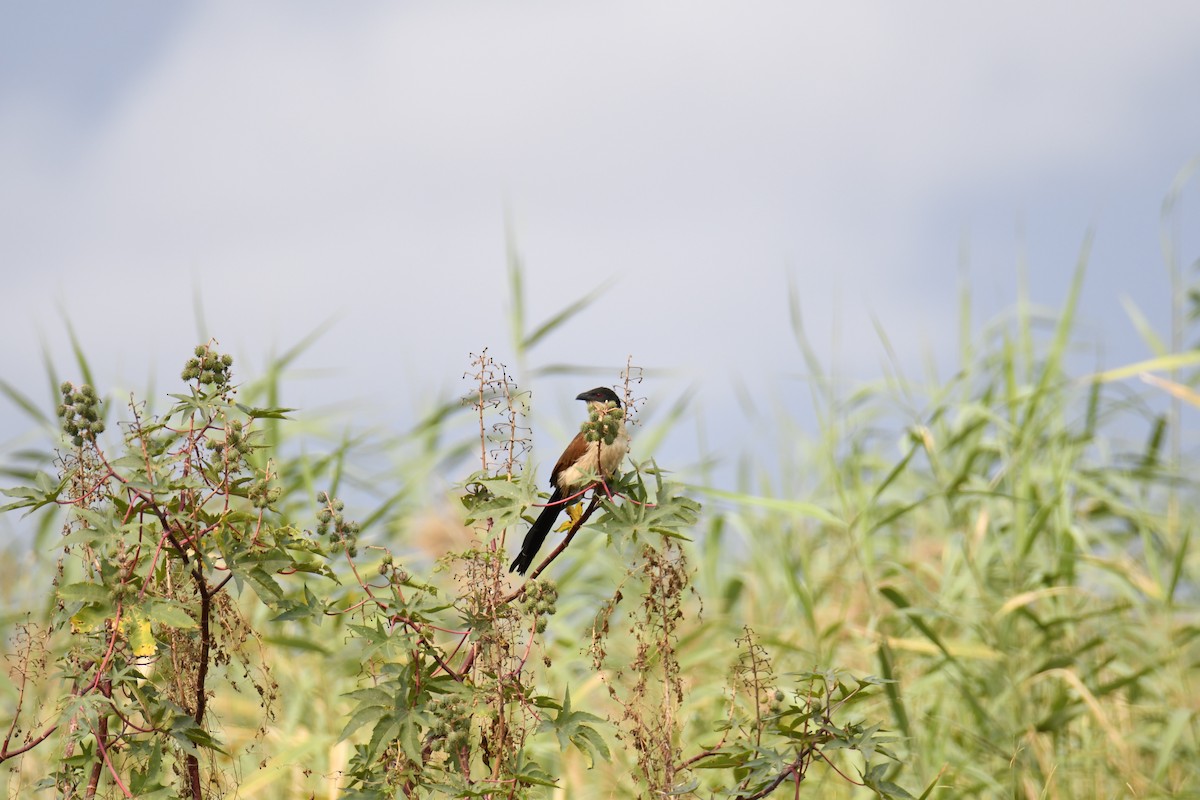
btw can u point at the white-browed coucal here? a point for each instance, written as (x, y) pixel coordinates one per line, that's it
(581, 460)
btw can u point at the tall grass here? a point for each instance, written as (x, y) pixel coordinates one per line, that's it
(1021, 574)
(1015, 568)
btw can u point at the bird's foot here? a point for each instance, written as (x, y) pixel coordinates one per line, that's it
(574, 511)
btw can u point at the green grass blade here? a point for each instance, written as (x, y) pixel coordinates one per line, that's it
(562, 317)
(85, 369)
(23, 402)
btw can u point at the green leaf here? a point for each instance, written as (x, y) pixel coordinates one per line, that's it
(85, 592)
(575, 727)
(47, 492)
(671, 515)
(189, 735)
(361, 716)
(170, 613)
(297, 642)
(265, 413)
(92, 617)
(531, 773)
(84, 535)
(387, 729)
(268, 589)
(372, 695)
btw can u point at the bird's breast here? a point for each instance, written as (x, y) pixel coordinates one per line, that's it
(598, 459)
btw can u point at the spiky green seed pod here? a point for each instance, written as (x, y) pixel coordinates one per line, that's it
(200, 350)
(66, 388)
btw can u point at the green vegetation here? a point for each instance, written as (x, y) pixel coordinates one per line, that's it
(1004, 606)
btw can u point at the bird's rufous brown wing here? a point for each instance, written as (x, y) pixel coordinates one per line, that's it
(575, 451)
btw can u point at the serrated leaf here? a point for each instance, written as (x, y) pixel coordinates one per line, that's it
(85, 592)
(385, 731)
(684, 788)
(90, 618)
(531, 773)
(361, 716)
(267, 587)
(371, 695)
(141, 639)
(264, 413)
(101, 522)
(298, 611)
(574, 727)
(170, 614)
(84, 535)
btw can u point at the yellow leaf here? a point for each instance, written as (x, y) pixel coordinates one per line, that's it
(574, 511)
(137, 627)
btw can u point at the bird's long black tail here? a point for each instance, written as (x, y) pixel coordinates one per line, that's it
(538, 533)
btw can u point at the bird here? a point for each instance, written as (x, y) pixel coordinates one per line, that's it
(582, 459)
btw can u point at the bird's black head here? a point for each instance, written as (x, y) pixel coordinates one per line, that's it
(601, 394)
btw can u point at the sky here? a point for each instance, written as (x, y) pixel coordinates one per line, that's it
(288, 164)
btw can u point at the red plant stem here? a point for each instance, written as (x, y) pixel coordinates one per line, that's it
(408, 621)
(112, 643)
(116, 777)
(6, 754)
(101, 736)
(528, 648)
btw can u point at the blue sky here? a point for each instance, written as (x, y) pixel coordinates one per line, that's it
(301, 161)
